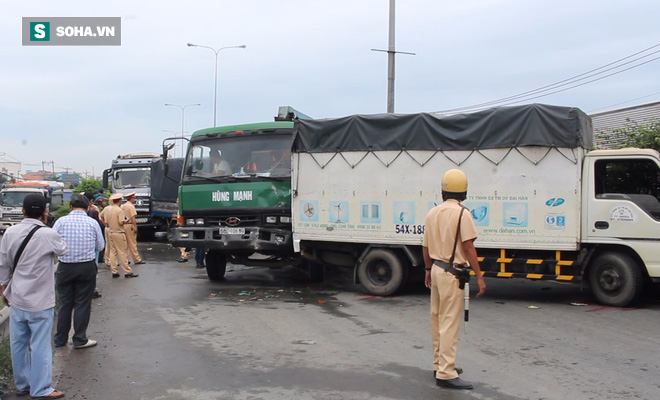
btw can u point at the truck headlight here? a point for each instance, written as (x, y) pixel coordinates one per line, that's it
(199, 221)
(190, 222)
(285, 220)
(271, 220)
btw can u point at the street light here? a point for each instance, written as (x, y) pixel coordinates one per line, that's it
(183, 109)
(215, 95)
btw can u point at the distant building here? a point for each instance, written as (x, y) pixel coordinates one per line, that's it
(10, 169)
(606, 123)
(38, 176)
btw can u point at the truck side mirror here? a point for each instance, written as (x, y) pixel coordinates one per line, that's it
(105, 178)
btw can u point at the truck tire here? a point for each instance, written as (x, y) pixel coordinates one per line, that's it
(216, 265)
(616, 279)
(381, 272)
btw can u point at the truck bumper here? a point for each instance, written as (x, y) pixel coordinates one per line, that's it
(255, 239)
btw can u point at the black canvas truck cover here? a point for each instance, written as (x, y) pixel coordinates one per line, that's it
(500, 127)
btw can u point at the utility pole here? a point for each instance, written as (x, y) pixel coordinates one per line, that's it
(391, 52)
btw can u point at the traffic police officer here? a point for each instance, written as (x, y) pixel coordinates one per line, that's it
(114, 218)
(131, 227)
(448, 247)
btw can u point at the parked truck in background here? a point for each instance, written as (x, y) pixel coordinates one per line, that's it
(241, 214)
(11, 201)
(545, 205)
(132, 173)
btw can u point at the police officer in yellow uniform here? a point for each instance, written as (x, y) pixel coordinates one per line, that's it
(448, 247)
(131, 228)
(114, 218)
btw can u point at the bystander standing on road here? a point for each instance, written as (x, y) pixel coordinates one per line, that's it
(448, 248)
(76, 274)
(114, 218)
(27, 275)
(200, 253)
(131, 228)
(102, 203)
(99, 193)
(94, 212)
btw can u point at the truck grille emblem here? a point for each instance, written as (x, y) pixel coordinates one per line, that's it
(232, 221)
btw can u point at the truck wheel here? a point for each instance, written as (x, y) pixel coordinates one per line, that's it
(615, 279)
(216, 265)
(381, 272)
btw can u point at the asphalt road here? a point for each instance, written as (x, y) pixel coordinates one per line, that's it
(172, 334)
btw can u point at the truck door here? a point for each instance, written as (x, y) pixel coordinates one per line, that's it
(622, 216)
(624, 198)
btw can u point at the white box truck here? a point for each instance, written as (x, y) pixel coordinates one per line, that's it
(546, 206)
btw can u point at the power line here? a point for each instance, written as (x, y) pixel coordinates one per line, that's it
(623, 102)
(548, 89)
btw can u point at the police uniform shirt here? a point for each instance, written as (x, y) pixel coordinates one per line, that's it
(440, 231)
(113, 215)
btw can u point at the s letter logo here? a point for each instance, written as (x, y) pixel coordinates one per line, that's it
(39, 31)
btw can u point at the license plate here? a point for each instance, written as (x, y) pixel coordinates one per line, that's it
(141, 220)
(232, 231)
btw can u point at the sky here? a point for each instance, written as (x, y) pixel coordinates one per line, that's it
(79, 107)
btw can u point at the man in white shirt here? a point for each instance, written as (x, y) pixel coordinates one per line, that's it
(28, 286)
(220, 165)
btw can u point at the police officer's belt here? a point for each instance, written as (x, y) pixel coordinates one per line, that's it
(450, 268)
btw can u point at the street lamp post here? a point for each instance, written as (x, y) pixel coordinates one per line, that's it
(215, 93)
(183, 109)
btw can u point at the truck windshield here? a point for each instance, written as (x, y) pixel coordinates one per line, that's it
(13, 199)
(132, 178)
(240, 156)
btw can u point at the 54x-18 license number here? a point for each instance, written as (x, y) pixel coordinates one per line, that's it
(410, 229)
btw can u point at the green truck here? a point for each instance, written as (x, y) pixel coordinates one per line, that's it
(235, 196)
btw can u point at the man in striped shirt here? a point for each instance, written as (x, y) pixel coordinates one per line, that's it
(76, 274)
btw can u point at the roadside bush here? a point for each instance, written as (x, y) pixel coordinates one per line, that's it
(90, 185)
(6, 376)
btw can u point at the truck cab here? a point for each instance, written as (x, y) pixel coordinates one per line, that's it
(132, 173)
(621, 225)
(12, 196)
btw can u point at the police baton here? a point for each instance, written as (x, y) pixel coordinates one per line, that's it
(466, 307)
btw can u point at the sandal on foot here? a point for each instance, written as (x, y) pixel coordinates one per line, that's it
(55, 395)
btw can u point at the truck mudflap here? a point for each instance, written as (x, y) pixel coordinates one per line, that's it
(255, 239)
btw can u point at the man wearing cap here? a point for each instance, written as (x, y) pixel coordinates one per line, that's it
(131, 227)
(114, 218)
(28, 287)
(76, 274)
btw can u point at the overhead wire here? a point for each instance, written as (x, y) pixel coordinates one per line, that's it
(548, 89)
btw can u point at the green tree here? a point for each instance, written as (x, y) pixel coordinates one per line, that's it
(89, 185)
(642, 136)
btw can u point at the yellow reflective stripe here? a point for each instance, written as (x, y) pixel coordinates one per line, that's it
(534, 276)
(565, 277)
(534, 261)
(505, 274)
